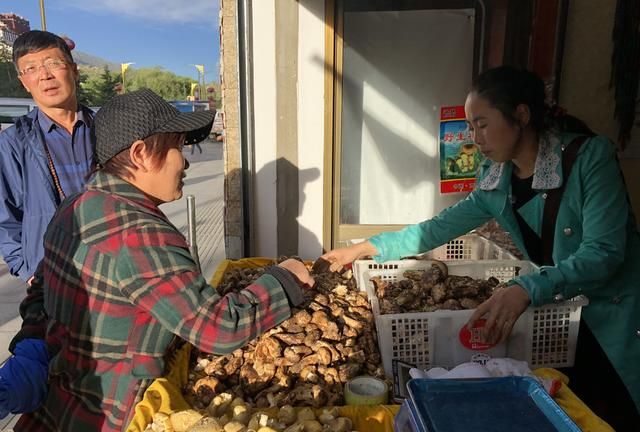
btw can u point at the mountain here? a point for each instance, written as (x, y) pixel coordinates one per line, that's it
(84, 59)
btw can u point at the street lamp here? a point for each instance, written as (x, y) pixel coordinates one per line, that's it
(123, 68)
(43, 20)
(200, 69)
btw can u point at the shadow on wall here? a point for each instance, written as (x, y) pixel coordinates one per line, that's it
(309, 245)
(277, 229)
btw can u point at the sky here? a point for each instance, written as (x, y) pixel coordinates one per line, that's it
(172, 34)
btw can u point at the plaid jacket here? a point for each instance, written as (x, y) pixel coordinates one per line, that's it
(120, 284)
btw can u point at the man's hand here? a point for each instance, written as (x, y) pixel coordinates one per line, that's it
(502, 310)
(299, 272)
(346, 255)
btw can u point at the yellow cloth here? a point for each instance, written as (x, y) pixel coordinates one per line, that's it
(572, 405)
(374, 418)
(165, 395)
(228, 265)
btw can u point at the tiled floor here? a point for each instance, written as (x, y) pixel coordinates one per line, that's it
(7, 423)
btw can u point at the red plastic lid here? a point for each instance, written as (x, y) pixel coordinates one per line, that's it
(470, 339)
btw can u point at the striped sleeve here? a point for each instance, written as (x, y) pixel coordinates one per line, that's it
(157, 273)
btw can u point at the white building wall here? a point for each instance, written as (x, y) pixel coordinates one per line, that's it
(311, 69)
(6, 35)
(310, 127)
(264, 97)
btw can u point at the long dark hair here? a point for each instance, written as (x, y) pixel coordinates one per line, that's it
(506, 87)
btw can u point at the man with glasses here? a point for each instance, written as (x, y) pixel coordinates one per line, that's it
(46, 156)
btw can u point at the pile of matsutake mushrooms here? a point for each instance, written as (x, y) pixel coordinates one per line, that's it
(431, 289)
(228, 414)
(306, 360)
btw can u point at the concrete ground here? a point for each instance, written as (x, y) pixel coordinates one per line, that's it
(205, 179)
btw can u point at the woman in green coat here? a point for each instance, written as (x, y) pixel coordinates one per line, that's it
(596, 245)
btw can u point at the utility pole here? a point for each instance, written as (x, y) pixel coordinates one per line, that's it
(202, 88)
(200, 69)
(43, 20)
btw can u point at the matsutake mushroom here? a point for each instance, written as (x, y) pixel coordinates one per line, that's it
(431, 289)
(305, 360)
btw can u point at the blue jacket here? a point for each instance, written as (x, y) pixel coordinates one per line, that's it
(596, 242)
(28, 196)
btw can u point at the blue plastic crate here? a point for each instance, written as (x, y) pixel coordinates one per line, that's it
(513, 404)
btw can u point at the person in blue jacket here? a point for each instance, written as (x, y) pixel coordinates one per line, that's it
(46, 156)
(596, 244)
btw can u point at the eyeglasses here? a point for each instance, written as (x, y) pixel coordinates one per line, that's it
(49, 64)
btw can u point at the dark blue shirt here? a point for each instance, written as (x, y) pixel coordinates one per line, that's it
(72, 154)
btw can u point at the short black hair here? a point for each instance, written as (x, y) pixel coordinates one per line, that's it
(38, 40)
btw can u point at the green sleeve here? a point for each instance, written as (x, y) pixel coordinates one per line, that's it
(452, 222)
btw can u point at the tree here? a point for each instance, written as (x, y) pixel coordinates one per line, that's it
(10, 85)
(164, 83)
(96, 86)
(90, 78)
(83, 94)
(106, 87)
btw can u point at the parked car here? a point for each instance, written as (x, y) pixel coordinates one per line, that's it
(190, 106)
(12, 108)
(217, 132)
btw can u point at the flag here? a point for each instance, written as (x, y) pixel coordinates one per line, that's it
(124, 66)
(200, 68)
(193, 87)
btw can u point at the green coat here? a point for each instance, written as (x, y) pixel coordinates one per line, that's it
(596, 243)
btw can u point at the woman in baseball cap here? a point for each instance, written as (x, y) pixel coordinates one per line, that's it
(120, 281)
(149, 128)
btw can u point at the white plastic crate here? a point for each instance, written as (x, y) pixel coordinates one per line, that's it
(544, 336)
(469, 247)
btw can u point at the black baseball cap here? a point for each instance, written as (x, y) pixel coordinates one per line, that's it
(126, 118)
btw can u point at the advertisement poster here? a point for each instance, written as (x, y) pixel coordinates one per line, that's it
(459, 156)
